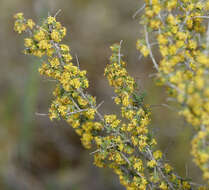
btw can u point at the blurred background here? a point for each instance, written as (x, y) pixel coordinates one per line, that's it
(37, 154)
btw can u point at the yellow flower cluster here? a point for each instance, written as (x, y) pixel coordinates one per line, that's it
(180, 33)
(144, 161)
(21, 24)
(125, 146)
(70, 102)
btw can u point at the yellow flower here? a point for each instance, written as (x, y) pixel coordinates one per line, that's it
(145, 51)
(117, 100)
(55, 36)
(64, 47)
(75, 83)
(168, 168)
(162, 40)
(150, 13)
(62, 110)
(90, 113)
(18, 16)
(51, 20)
(44, 44)
(138, 165)
(157, 154)
(156, 8)
(98, 140)
(171, 4)
(86, 140)
(199, 81)
(171, 20)
(38, 53)
(19, 27)
(82, 101)
(186, 185)
(40, 35)
(125, 100)
(30, 23)
(163, 186)
(28, 42)
(155, 24)
(152, 163)
(192, 44)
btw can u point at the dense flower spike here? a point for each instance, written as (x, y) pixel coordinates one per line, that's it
(151, 171)
(125, 145)
(70, 102)
(180, 30)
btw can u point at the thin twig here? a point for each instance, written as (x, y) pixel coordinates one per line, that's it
(159, 169)
(77, 61)
(150, 50)
(138, 11)
(119, 55)
(42, 114)
(100, 104)
(71, 113)
(76, 105)
(57, 13)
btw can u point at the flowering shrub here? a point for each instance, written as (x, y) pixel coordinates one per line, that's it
(125, 145)
(182, 35)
